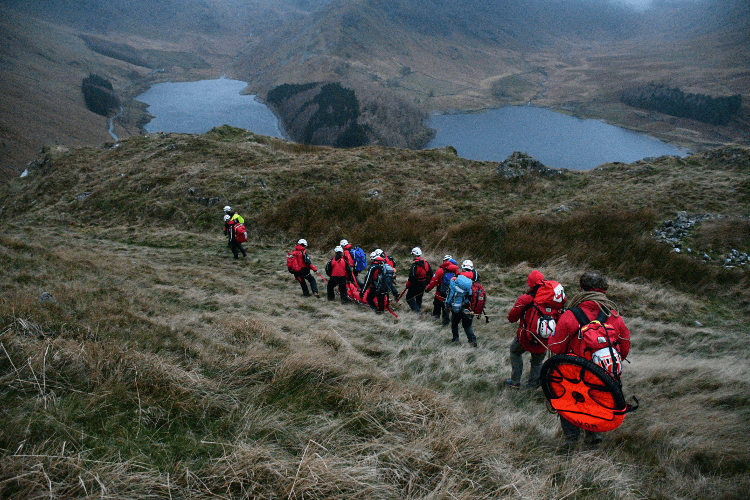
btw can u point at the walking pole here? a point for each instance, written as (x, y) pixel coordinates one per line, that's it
(399, 297)
(321, 277)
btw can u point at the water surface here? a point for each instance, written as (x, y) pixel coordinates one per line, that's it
(197, 107)
(555, 139)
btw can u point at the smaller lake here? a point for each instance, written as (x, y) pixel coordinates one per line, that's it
(197, 107)
(555, 139)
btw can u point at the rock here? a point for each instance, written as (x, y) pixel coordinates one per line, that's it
(519, 164)
(47, 297)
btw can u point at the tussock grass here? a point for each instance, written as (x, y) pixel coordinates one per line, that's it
(165, 368)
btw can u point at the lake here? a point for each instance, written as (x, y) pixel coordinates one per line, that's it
(197, 107)
(555, 139)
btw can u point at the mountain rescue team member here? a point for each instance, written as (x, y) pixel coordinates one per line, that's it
(463, 317)
(525, 340)
(233, 215)
(233, 244)
(304, 274)
(420, 275)
(370, 284)
(350, 260)
(448, 266)
(467, 269)
(564, 340)
(338, 269)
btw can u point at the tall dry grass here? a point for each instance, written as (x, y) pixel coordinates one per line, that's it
(179, 372)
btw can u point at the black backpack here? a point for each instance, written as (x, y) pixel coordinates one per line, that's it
(384, 282)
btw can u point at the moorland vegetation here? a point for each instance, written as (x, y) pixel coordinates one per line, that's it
(139, 359)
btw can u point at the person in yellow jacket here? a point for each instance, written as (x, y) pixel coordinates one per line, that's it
(233, 215)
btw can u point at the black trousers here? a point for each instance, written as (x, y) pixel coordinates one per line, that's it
(466, 321)
(414, 296)
(337, 281)
(304, 276)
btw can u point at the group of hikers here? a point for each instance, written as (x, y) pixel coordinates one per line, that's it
(587, 326)
(454, 288)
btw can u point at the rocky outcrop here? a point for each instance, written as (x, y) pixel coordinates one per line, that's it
(519, 164)
(675, 232)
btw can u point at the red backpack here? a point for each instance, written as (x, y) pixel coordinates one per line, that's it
(478, 298)
(294, 261)
(601, 344)
(240, 233)
(550, 297)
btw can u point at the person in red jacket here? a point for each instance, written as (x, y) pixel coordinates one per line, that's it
(304, 274)
(375, 298)
(441, 279)
(350, 260)
(526, 339)
(564, 340)
(234, 245)
(338, 269)
(467, 269)
(420, 275)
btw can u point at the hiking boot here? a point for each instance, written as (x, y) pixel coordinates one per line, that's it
(533, 384)
(473, 344)
(317, 295)
(593, 438)
(512, 385)
(455, 341)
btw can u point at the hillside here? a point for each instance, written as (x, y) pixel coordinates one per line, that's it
(403, 59)
(157, 366)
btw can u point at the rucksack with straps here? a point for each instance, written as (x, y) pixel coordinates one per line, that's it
(478, 298)
(459, 293)
(420, 272)
(359, 258)
(445, 285)
(295, 261)
(601, 344)
(240, 233)
(549, 299)
(384, 281)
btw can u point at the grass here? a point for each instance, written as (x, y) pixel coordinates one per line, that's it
(165, 368)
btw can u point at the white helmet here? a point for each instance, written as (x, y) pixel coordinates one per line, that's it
(302, 242)
(344, 243)
(227, 208)
(338, 249)
(379, 252)
(467, 265)
(226, 217)
(447, 257)
(374, 255)
(416, 251)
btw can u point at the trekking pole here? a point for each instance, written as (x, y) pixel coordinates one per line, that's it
(321, 277)
(399, 297)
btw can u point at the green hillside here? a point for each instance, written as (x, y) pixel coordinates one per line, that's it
(157, 366)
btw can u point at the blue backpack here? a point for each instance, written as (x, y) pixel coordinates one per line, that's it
(360, 259)
(460, 290)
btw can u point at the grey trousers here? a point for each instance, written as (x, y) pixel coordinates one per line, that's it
(516, 364)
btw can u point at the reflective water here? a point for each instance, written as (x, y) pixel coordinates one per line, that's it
(555, 139)
(197, 107)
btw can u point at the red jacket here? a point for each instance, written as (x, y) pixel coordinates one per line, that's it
(565, 339)
(339, 268)
(473, 275)
(305, 258)
(420, 272)
(438, 278)
(527, 316)
(348, 255)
